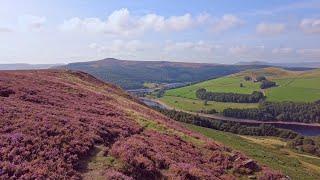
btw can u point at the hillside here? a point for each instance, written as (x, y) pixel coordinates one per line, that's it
(133, 74)
(299, 66)
(69, 125)
(299, 86)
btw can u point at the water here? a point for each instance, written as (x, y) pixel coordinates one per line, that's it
(301, 129)
(151, 103)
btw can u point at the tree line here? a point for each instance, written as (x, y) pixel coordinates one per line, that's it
(279, 111)
(236, 128)
(255, 97)
(295, 141)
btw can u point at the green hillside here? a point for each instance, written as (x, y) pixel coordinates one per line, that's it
(297, 86)
(134, 74)
(269, 151)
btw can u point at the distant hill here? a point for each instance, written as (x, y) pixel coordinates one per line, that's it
(285, 65)
(23, 66)
(69, 125)
(133, 74)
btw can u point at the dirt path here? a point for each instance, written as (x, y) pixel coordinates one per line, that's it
(95, 165)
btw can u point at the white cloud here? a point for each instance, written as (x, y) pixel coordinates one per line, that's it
(203, 18)
(5, 30)
(282, 50)
(93, 46)
(310, 25)
(270, 28)
(237, 50)
(199, 47)
(309, 53)
(226, 22)
(120, 47)
(122, 22)
(32, 22)
(248, 52)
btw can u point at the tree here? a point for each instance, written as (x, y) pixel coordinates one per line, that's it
(261, 78)
(247, 78)
(267, 84)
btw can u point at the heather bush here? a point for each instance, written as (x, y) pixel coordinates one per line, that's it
(52, 120)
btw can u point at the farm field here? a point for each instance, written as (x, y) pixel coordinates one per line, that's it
(297, 86)
(268, 151)
(195, 105)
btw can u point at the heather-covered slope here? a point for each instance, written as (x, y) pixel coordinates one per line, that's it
(69, 125)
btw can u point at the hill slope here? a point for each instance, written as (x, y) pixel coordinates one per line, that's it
(292, 85)
(132, 74)
(69, 125)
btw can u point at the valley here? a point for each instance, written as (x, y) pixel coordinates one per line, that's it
(71, 125)
(160, 90)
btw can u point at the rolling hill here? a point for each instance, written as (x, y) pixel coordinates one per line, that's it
(133, 74)
(297, 86)
(69, 125)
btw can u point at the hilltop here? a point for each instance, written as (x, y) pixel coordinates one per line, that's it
(70, 125)
(133, 74)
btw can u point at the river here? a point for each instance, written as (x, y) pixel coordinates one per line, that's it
(301, 128)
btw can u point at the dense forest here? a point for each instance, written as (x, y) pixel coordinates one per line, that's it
(255, 97)
(279, 111)
(133, 74)
(295, 141)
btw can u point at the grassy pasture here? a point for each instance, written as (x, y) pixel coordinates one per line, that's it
(295, 89)
(196, 105)
(292, 86)
(224, 84)
(268, 151)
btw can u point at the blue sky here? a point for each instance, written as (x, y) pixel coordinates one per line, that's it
(48, 31)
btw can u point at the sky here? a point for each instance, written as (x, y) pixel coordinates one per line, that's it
(211, 31)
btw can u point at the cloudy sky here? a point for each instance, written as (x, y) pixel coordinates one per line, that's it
(59, 31)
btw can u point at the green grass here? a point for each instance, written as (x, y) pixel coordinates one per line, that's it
(196, 105)
(298, 89)
(275, 157)
(292, 86)
(224, 84)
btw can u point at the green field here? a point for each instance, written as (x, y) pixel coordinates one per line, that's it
(268, 151)
(224, 84)
(195, 105)
(295, 89)
(303, 86)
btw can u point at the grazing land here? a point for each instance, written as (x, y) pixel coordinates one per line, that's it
(297, 86)
(195, 105)
(269, 151)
